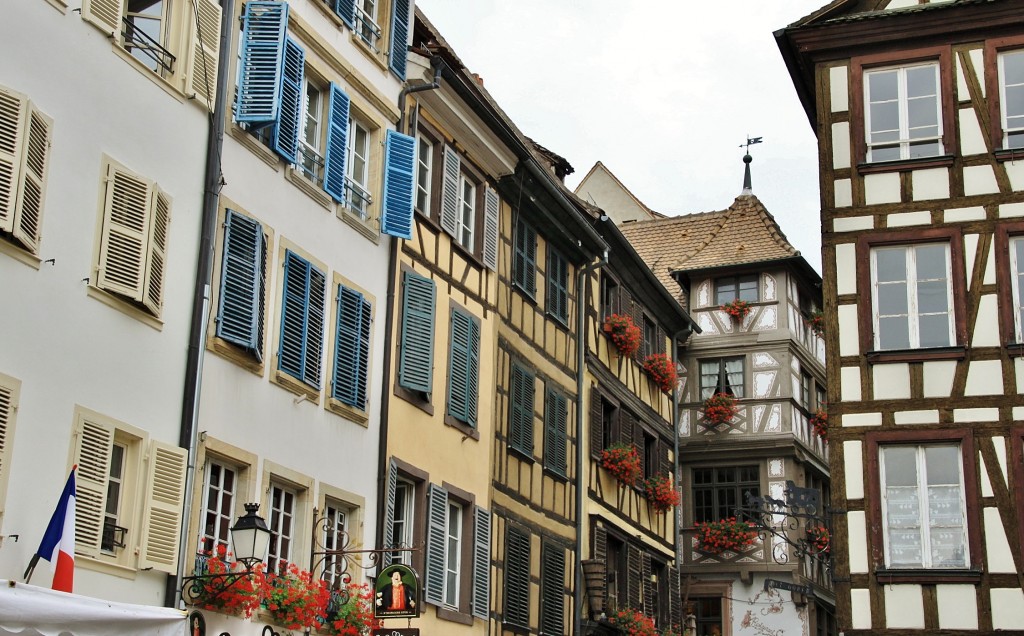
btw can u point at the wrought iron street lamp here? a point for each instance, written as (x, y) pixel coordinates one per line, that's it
(250, 538)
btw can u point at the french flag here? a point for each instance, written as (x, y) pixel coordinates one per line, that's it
(58, 545)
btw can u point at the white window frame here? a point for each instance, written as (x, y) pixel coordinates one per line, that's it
(1016, 286)
(337, 519)
(281, 522)
(923, 516)
(453, 553)
(466, 221)
(1004, 102)
(358, 198)
(223, 520)
(139, 52)
(311, 141)
(114, 512)
(905, 140)
(405, 501)
(424, 173)
(367, 26)
(913, 315)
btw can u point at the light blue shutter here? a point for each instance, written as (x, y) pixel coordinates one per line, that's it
(458, 365)
(450, 191)
(399, 35)
(521, 416)
(302, 315)
(437, 513)
(337, 144)
(481, 562)
(399, 162)
(415, 370)
(389, 513)
(346, 10)
(492, 207)
(351, 348)
(259, 83)
(242, 283)
(289, 121)
(555, 414)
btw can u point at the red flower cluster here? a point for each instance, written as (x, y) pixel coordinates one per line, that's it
(738, 309)
(242, 597)
(818, 539)
(661, 369)
(624, 334)
(719, 409)
(660, 492)
(816, 321)
(715, 537)
(355, 617)
(622, 461)
(634, 623)
(295, 599)
(819, 421)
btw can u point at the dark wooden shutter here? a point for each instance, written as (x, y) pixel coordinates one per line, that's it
(634, 571)
(600, 553)
(517, 578)
(675, 598)
(521, 410)
(554, 432)
(646, 571)
(625, 427)
(552, 589)
(596, 422)
(666, 463)
(640, 444)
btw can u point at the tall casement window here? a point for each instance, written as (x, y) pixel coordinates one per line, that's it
(609, 296)
(463, 366)
(10, 391)
(558, 285)
(403, 521)
(24, 148)
(1017, 285)
(282, 526)
(242, 303)
(732, 288)
(457, 546)
(708, 610)
(524, 259)
(650, 338)
(113, 534)
(400, 515)
(1011, 98)
(424, 174)
(615, 566)
(303, 303)
(218, 507)
(717, 492)
(923, 506)
(521, 405)
(806, 391)
(357, 180)
(912, 296)
(311, 157)
(133, 243)
(722, 375)
(352, 348)
(902, 111)
(366, 22)
(517, 577)
(416, 359)
(364, 18)
(552, 589)
(555, 420)
(465, 232)
(335, 529)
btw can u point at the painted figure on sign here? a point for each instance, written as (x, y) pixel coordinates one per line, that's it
(396, 596)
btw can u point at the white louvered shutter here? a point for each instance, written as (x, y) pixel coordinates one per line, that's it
(156, 252)
(204, 52)
(8, 404)
(126, 230)
(492, 207)
(450, 191)
(13, 108)
(105, 14)
(92, 454)
(161, 523)
(32, 184)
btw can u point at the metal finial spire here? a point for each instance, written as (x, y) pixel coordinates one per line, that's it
(747, 189)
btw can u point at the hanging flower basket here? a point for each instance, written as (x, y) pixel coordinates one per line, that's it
(818, 539)
(624, 334)
(816, 321)
(242, 597)
(634, 623)
(719, 409)
(622, 461)
(661, 369)
(661, 494)
(738, 309)
(295, 599)
(819, 423)
(716, 537)
(355, 616)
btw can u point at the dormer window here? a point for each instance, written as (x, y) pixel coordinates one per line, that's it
(732, 288)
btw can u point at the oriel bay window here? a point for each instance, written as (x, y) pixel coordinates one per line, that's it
(722, 375)
(718, 492)
(743, 287)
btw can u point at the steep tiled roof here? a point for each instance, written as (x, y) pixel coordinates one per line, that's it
(744, 233)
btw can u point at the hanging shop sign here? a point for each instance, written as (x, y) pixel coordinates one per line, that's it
(397, 593)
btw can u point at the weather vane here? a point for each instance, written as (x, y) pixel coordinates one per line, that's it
(750, 142)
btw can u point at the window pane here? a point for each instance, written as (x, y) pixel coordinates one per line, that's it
(1014, 101)
(734, 377)
(748, 290)
(942, 465)
(931, 297)
(922, 113)
(891, 264)
(921, 81)
(883, 85)
(934, 330)
(928, 149)
(885, 116)
(900, 466)
(931, 262)
(893, 333)
(1013, 68)
(891, 153)
(892, 299)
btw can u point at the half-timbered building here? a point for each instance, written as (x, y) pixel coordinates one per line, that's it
(917, 109)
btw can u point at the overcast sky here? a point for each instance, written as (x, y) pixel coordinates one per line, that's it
(663, 92)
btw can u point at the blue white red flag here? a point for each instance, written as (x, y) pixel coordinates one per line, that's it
(58, 544)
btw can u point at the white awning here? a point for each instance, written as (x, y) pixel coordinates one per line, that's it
(28, 610)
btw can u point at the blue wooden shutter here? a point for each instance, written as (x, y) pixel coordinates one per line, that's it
(458, 366)
(517, 577)
(399, 35)
(389, 513)
(399, 162)
(492, 208)
(450, 191)
(289, 121)
(346, 10)
(521, 415)
(481, 562)
(259, 83)
(415, 370)
(555, 413)
(242, 283)
(351, 348)
(437, 515)
(337, 144)
(302, 315)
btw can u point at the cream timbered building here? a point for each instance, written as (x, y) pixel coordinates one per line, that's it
(916, 107)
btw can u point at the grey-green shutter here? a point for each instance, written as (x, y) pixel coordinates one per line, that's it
(521, 410)
(389, 513)
(555, 413)
(492, 210)
(517, 578)
(481, 562)
(464, 367)
(416, 360)
(552, 589)
(437, 513)
(450, 190)
(596, 422)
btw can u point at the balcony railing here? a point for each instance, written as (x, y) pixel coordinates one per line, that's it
(367, 29)
(147, 50)
(311, 163)
(359, 200)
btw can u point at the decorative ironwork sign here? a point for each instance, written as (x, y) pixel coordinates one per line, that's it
(397, 593)
(396, 631)
(770, 584)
